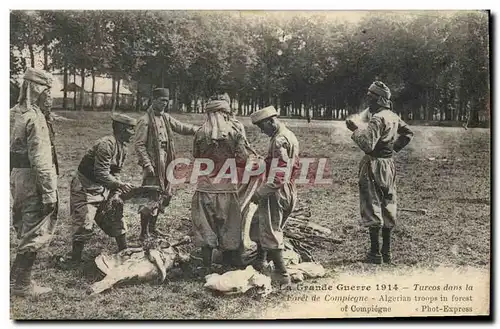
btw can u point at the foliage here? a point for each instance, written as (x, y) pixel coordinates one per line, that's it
(436, 64)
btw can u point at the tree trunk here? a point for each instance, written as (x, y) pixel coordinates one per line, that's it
(92, 100)
(74, 93)
(138, 96)
(240, 105)
(176, 99)
(284, 108)
(113, 94)
(32, 55)
(82, 90)
(196, 107)
(117, 101)
(45, 56)
(474, 112)
(65, 85)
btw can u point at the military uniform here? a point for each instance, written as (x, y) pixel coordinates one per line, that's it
(215, 208)
(384, 135)
(377, 172)
(278, 197)
(95, 179)
(33, 180)
(91, 185)
(155, 148)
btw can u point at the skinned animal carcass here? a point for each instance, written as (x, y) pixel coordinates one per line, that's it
(137, 264)
(109, 214)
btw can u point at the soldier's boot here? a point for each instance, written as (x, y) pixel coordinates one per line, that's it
(153, 230)
(73, 258)
(374, 256)
(121, 242)
(386, 245)
(282, 276)
(231, 258)
(24, 285)
(144, 235)
(14, 270)
(77, 251)
(206, 254)
(261, 261)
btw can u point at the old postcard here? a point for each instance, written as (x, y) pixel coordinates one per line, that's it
(249, 164)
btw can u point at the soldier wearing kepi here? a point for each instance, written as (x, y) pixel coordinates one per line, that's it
(33, 179)
(154, 146)
(385, 134)
(278, 196)
(95, 179)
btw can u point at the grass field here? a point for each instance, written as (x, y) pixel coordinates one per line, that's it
(444, 170)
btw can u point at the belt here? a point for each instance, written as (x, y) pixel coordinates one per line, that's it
(381, 155)
(164, 145)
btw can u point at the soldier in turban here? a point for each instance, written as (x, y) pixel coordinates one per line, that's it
(215, 210)
(385, 135)
(33, 179)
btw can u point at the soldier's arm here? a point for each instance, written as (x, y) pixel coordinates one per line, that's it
(40, 157)
(241, 152)
(102, 165)
(367, 138)
(182, 128)
(140, 143)
(196, 146)
(405, 136)
(275, 180)
(241, 130)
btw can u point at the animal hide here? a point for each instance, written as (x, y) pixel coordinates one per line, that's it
(137, 264)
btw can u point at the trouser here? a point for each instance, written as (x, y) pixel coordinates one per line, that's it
(85, 198)
(377, 192)
(273, 212)
(33, 227)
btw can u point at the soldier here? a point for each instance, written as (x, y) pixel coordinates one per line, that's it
(276, 198)
(33, 179)
(154, 145)
(385, 134)
(95, 179)
(215, 208)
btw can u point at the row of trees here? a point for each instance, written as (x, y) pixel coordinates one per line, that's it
(436, 64)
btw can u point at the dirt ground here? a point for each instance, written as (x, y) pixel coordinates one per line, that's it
(444, 170)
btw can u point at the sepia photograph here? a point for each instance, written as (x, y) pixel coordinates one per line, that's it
(250, 164)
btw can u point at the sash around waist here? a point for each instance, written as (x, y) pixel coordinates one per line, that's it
(216, 188)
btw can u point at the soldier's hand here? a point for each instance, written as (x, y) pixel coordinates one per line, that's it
(126, 187)
(48, 208)
(255, 198)
(148, 170)
(351, 125)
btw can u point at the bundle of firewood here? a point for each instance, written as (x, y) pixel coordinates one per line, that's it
(306, 234)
